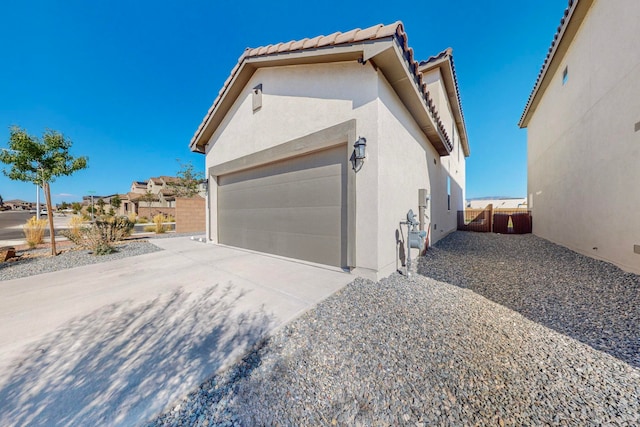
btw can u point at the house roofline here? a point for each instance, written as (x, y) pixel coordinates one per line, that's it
(385, 45)
(571, 21)
(444, 62)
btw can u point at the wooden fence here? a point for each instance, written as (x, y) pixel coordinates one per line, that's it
(503, 221)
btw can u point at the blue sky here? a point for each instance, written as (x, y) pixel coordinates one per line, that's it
(129, 81)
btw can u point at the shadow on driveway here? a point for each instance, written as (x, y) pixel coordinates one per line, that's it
(589, 300)
(125, 363)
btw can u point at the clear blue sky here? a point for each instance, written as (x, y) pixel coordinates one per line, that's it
(129, 81)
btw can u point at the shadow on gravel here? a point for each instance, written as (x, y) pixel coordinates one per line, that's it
(125, 363)
(589, 300)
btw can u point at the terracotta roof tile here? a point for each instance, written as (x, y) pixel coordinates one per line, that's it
(447, 53)
(349, 36)
(547, 60)
(375, 32)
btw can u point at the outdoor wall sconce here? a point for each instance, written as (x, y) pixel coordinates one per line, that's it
(359, 154)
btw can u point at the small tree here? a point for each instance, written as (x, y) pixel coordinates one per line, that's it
(148, 197)
(100, 204)
(40, 162)
(188, 180)
(116, 202)
(64, 205)
(76, 207)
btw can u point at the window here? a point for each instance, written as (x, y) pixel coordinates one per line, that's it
(448, 193)
(565, 75)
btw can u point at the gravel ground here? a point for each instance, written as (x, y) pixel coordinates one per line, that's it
(423, 352)
(589, 300)
(38, 261)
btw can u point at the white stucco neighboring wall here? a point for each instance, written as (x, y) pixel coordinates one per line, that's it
(583, 147)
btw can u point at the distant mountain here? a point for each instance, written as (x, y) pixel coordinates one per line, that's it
(495, 198)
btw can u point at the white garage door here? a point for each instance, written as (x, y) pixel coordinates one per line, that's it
(294, 207)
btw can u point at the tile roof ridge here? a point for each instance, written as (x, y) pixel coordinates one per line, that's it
(564, 21)
(375, 32)
(448, 53)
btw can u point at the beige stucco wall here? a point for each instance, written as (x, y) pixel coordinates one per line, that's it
(300, 100)
(409, 162)
(583, 150)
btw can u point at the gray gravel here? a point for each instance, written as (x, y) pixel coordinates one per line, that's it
(589, 300)
(29, 266)
(423, 352)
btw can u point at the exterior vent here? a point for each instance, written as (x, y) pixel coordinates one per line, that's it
(636, 249)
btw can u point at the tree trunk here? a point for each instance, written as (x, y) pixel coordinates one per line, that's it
(52, 233)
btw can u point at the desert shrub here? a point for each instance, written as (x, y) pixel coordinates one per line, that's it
(159, 221)
(34, 231)
(101, 234)
(149, 228)
(143, 220)
(75, 224)
(132, 217)
(170, 218)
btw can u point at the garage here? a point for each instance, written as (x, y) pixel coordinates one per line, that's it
(295, 207)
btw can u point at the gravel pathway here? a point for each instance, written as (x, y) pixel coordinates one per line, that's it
(589, 300)
(423, 352)
(39, 261)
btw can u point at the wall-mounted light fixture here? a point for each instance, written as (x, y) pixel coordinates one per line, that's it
(359, 153)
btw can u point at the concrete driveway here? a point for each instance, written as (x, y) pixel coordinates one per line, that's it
(117, 342)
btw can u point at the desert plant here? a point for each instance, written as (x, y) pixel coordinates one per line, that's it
(76, 224)
(149, 228)
(170, 218)
(132, 217)
(143, 220)
(159, 221)
(34, 231)
(101, 234)
(40, 161)
(76, 207)
(111, 212)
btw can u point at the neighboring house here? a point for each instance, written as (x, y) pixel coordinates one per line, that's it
(583, 134)
(139, 187)
(162, 196)
(498, 203)
(279, 138)
(18, 204)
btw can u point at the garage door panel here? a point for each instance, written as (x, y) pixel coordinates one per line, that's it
(315, 221)
(284, 194)
(295, 207)
(320, 249)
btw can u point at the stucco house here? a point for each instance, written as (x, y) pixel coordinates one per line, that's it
(583, 134)
(282, 140)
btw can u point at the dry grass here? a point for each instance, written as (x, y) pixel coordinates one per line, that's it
(159, 221)
(34, 231)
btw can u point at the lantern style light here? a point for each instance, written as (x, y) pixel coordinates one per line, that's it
(359, 153)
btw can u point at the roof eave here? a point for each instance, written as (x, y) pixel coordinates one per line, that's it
(395, 68)
(569, 25)
(446, 70)
(247, 67)
(386, 54)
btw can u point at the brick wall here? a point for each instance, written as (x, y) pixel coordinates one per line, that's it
(190, 215)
